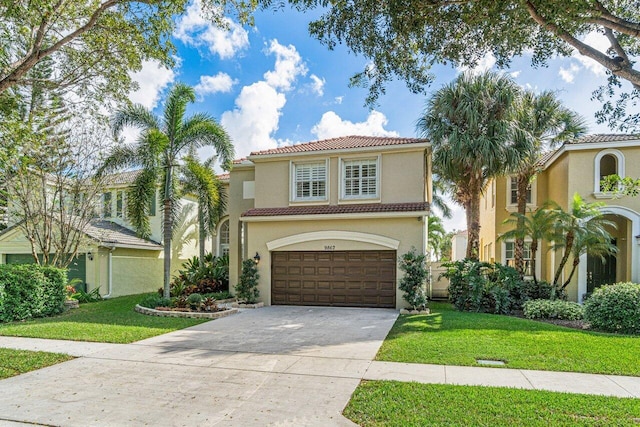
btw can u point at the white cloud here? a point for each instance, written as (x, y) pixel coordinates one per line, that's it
(339, 99)
(255, 118)
(599, 42)
(152, 79)
(515, 74)
(569, 74)
(289, 66)
(317, 84)
(193, 29)
(331, 125)
(221, 82)
(484, 64)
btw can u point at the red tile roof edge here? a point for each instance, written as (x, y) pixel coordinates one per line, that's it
(338, 209)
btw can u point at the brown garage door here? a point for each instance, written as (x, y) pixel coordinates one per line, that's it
(347, 279)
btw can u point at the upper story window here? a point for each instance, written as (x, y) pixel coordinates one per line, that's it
(106, 205)
(310, 181)
(607, 162)
(513, 191)
(120, 204)
(360, 179)
(223, 236)
(152, 204)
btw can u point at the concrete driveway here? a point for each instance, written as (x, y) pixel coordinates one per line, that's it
(285, 366)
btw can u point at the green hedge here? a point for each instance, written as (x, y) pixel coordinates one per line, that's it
(28, 290)
(556, 309)
(615, 308)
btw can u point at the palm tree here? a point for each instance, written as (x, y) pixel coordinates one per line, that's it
(201, 180)
(470, 123)
(581, 229)
(436, 233)
(157, 151)
(543, 124)
(537, 225)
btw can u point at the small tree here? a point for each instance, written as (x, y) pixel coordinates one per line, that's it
(247, 287)
(413, 281)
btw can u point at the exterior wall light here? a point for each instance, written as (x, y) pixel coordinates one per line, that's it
(90, 256)
(256, 258)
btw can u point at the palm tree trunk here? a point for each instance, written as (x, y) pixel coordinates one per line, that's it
(168, 229)
(565, 257)
(523, 184)
(201, 232)
(576, 261)
(534, 250)
(473, 225)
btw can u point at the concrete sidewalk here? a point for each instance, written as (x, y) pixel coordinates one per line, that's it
(569, 382)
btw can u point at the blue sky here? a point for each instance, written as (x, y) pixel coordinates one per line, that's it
(273, 84)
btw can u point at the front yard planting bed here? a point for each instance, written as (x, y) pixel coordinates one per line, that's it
(390, 403)
(111, 321)
(450, 337)
(16, 362)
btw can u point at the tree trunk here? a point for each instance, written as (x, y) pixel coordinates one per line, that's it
(523, 185)
(576, 261)
(473, 226)
(201, 232)
(534, 250)
(565, 257)
(167, 231)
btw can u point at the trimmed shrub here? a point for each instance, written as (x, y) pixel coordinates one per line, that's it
(153, 301)
(484, 287)
(413, 281)
(29, 290)
(541, 290)
(247, 287)
(615, 308)
(556, 309)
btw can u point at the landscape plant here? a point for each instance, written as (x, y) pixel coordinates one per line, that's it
(615, 308)
(247, 287)
(552, 309)
(413, 282)
(30, 290)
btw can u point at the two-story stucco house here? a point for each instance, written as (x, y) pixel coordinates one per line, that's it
(112, 257)
(328, 219)
(578, 167)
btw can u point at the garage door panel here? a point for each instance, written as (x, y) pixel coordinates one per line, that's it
(342, 278)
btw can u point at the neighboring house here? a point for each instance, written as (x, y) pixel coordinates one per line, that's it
(578, 167)
(459, 245)
(112, 257)
(328, 219)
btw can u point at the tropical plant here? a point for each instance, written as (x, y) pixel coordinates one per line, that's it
(436, 234)
(413, 282)
(552, 309)
(619, 186)
(581, 229)
(615, 308)
(200, 179)
(537, 225)
(157, 150)
(470, 124)
(205, 276)
(543, 123)
(247, 287)
(185, 230)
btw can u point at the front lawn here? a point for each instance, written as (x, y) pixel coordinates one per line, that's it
(111, 321)
(16, 362)
(449, 337)
(390, 403)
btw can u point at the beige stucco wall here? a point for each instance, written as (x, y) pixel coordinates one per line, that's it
(408, 231)
(236, 206)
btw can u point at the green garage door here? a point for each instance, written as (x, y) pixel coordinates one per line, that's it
(77, 268)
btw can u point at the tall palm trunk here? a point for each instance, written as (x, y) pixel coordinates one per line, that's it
(534, 251)
(565, 258)
(202, 235)
(167, 231)
(473, 220)
(575, 263)
(522, 186)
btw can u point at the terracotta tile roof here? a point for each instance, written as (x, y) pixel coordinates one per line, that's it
(545, 157)
(602, 137)
(341, 143)
(239, 161)
(339, 209)
(122, 177)
(109, 233)
(224, 176)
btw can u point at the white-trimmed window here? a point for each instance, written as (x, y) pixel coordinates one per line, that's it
(607, 162)
(309, 181)
(223, 238)
(360, 179)
(513, 191)
(121, 200)
(106, 205)
(509, 256)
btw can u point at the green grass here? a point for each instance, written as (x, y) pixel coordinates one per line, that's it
(390, 403)
(111, 321)
(16, 362)
(449, 337)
